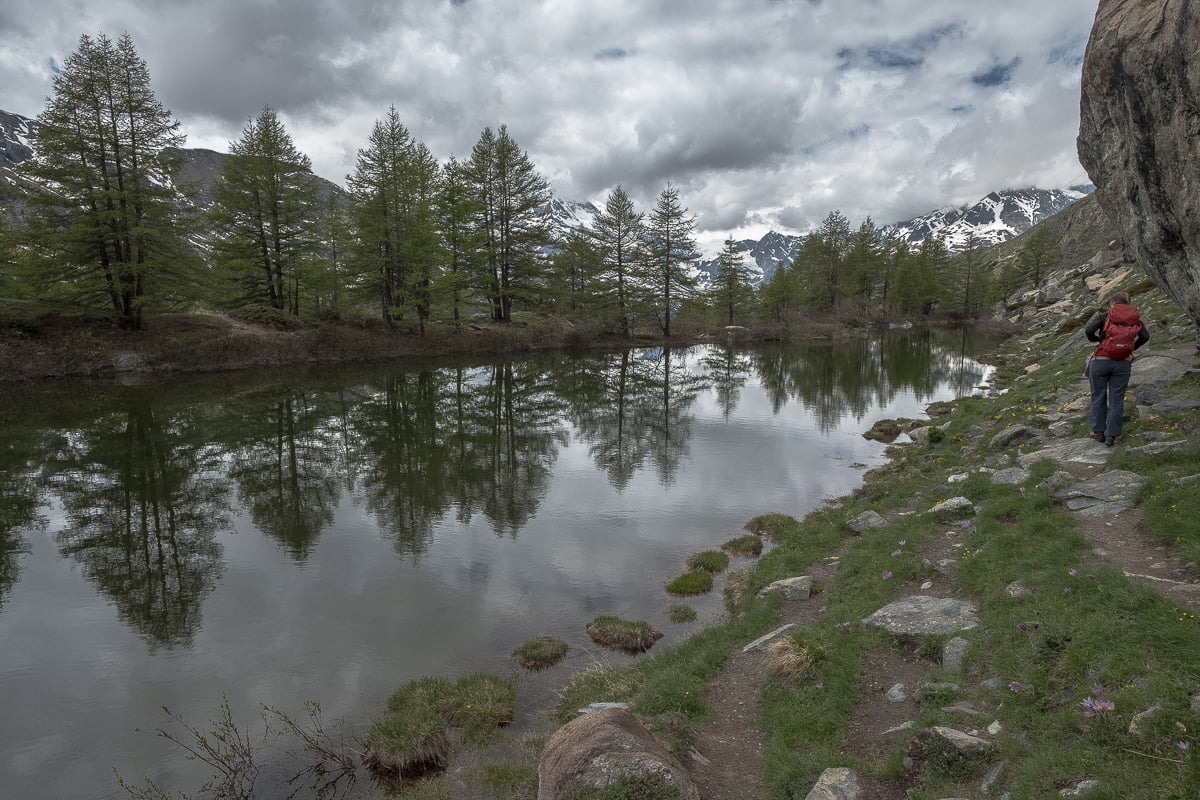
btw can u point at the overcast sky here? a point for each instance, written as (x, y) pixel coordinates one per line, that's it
(766, 114)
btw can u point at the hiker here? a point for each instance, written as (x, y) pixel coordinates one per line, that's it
(1119, 331)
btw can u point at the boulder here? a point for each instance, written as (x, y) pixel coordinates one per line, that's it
(597, 749)
(836, 783)
(920, 616)
(865, 521)
(798, 588)
(1137, 135)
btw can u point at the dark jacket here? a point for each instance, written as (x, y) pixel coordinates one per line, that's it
(1094, 330)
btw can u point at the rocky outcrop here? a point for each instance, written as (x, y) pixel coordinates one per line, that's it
(1139, 135)
(599, 749)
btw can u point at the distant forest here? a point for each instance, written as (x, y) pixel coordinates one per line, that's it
(106, 225)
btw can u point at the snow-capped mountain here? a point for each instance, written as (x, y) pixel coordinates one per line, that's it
(996, 218)
(761, 257)
(565, 216)
(14, 138)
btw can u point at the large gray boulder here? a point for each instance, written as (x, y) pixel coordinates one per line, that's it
(1138, 135)
(598, 749)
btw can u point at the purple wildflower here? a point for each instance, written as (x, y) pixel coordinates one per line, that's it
(1022, 626)
(903, 542)
(1067, 590)
(1097, 690)
(896, 553)
(1184, 746)
(1015, 686)
(1072, 573)
(887, 575)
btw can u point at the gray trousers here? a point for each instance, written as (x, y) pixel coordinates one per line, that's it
(1109, 380)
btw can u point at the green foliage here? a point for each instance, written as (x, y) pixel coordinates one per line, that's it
(110, 235)
(670, 251)
(1039, 255)
(620, 634)
(744, 545)
(691, 583)
(540, 652)
(637, 787)
(509, 781)
(731, 292)
(776, 527)
(264, 212)
(620, 234)
(709, 561)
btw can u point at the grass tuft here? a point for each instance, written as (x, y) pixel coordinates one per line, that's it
(632, 637)
(690, 583)
(712, 561)
(540, 652)
(747, 546)
(407, 745)
(776, 527)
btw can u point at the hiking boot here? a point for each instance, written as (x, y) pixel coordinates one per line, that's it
(1110, 440)
(1097, 435)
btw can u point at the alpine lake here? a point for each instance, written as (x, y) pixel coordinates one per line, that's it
(326, 534)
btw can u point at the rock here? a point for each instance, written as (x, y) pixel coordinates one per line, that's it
(995, 728)
(919, 615)
(1149, 395)
(798, 588)
(1080, 451)
(1108, 493)
(921, 435)
(884, 430)
(903, 726)
(896, 693)
(953, 505)
(1079, 789)
(763, 641)
(865, 520)
(1061, 429)
(966, 744)
(1195, 703)
(128, 362)
(929, 689)
(588, 709)
(1137, 135)
(1011, 476)
(1159, 447)
(1012, 435)
(954, 654)
(597, 749)
(1177, 404)
(959, 477)
(989, 779)
(1155, 369)
(836, 783)
(1017, 589)
(1140, 719)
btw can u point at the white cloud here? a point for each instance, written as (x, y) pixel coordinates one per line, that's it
(766, 113)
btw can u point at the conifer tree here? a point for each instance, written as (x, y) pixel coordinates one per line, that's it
(731, 291)
(109, 233)
(864, 262)
(670, 250)
(620, 240)
(574, 269)
(265, 207)
(1039, 254)
(458, 211)
(783, 295)
(510, 193)
(393, 199)
(821, 261)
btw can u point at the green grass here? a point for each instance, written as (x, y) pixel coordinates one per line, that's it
(508, 780)
(540, 652)
(746, 546)
(620, 634)
(640, 787)
(412, 737)
(712, 561)
(691, 583)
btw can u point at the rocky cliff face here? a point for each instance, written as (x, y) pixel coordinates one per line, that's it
(1139, 135)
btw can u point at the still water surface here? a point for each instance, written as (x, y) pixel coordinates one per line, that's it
(331, 534)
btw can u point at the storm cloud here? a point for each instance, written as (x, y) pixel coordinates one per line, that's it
(767, 114)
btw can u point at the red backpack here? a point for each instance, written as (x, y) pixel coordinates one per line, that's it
(1120, 333)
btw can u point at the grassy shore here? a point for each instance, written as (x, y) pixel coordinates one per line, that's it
(1088, 673)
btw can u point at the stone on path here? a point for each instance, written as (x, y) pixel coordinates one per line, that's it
(1177, 404)
(1012, 435)
(1159, 447)
(836, 783)
(798, 588)
(1157, 369)
(964, 743)
(763, 641)
(597, 749)
(919, 615)
(865, 520)
(954, 654)
(1011, 476)
(954, 505)
(588, 709)
(1104, 495)
(1080, 451)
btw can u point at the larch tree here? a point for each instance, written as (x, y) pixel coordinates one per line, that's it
(619, 231)
(264, 215)
(510, 193)
(1039, 255)
(109, 231)
(822, 261)
(394, 191)
(458, 210)
(670, 250)
(731, 291)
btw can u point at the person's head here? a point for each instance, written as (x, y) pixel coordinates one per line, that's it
(1121, 299)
